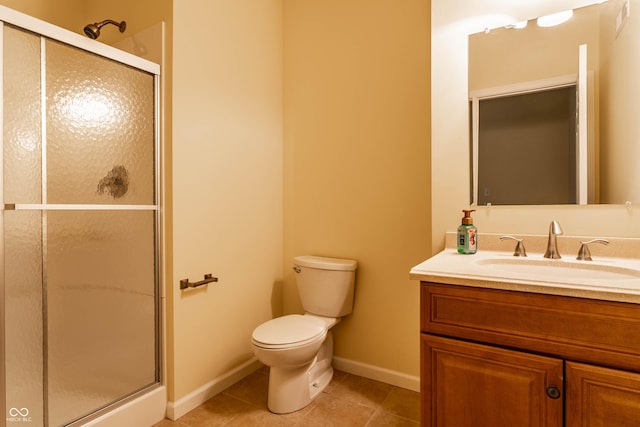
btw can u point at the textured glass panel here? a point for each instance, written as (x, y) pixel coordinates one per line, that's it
(100, 129)
(22, 117)
(101, 308)
(23, 311)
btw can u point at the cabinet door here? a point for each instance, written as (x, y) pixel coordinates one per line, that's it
(473, 385)
(601, 397)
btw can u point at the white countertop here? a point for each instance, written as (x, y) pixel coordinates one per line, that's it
(489, 268)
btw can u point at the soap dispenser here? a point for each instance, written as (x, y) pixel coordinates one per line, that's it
(467, 234)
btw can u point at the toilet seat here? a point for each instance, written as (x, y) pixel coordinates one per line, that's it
(289, 331)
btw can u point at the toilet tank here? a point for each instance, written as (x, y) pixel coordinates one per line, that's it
(326, 285)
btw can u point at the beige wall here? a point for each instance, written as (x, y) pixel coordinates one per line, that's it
(138, 15)
(73, 15)
(452, 22)
(357, 162)
(227, 182)
(620, 125)
(68, 14)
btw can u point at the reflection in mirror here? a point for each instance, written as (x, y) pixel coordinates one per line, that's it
(522, 135)
(606, 143)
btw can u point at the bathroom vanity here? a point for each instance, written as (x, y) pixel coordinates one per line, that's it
(514, 341)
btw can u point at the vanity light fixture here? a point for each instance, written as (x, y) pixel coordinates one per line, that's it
(555, 19)
(518, 25)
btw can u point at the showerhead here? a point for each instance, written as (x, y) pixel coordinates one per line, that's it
(93, 30)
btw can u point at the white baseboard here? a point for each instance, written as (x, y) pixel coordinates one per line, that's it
(197, 397)
(399, 379)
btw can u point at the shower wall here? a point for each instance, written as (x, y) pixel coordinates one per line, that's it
(73, 15)
(81, 292)
(65, 13)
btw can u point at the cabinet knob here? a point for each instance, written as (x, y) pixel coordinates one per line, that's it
(553, 392)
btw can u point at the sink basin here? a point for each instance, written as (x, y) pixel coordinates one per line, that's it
(559, 269)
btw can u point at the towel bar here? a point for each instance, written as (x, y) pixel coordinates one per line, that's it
(208, 278)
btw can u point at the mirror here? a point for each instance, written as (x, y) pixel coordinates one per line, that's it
(523, 60)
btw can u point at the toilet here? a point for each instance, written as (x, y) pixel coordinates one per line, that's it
(298, 348)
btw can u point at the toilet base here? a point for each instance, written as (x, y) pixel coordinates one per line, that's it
(291, 389)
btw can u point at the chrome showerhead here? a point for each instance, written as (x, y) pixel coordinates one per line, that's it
(93, 30)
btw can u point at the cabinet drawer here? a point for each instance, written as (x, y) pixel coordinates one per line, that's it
(595, 331)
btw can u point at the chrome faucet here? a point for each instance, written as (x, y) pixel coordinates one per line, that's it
(552, 245)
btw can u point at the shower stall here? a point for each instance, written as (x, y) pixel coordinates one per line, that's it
(79, 227)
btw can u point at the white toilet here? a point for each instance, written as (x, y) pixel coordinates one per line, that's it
(299, 348)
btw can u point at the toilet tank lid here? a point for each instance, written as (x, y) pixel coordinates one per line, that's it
(325, 263)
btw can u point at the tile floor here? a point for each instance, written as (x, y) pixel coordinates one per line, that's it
(349, 400)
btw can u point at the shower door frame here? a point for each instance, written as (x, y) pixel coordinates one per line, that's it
(50, 31)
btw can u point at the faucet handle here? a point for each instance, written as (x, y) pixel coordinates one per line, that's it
(519, 251)
(584, 254)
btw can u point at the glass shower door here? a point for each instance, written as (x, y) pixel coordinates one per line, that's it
(80, 231)
(22, 231)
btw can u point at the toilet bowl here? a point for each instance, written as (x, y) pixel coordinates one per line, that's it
(299, 348)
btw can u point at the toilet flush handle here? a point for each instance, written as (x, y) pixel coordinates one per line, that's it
(296, 269)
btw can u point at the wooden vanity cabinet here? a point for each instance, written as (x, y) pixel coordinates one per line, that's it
(505, 358)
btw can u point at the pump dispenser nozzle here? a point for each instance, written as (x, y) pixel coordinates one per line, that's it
(467, 216)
